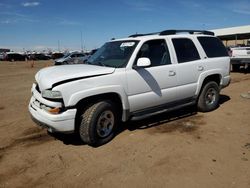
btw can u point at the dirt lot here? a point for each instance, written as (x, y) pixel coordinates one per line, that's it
(180, 149)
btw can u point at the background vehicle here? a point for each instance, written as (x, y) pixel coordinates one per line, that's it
(240, 57)
(131, 78)
(39, 56)
(2, 56)
(71, 58)
(15, 57)
(57, 55)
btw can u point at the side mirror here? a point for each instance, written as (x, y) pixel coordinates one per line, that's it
(143, 62)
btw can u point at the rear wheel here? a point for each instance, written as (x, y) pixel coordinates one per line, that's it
(98, 123)
(209, 97)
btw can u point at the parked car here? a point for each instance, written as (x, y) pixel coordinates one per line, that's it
(2, 56)
(57, 55)
(71, 58)
(15, 57)
(39, 56)
(240, 56)
(131, 78)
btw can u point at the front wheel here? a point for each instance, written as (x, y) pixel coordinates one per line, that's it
(98, 123)
(209, 97)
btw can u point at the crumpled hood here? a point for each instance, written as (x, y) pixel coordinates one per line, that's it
(50, 76)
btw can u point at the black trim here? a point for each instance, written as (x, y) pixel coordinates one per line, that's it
(164, 107)
(37, 88)
(70, 107)
(54, 100)
(140, 35)
(74, 79)
(174, 32)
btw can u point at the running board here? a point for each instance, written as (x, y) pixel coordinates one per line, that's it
(147, 115)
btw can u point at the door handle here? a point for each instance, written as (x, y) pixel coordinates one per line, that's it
(172, 73)
(200, 68)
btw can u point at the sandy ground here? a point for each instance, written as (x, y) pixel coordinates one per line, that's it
(179, 149)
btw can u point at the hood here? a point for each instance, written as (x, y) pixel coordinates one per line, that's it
(57, 75)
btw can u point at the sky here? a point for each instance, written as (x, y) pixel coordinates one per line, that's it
(70, 24)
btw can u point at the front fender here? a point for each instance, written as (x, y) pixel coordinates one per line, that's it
(76, 97)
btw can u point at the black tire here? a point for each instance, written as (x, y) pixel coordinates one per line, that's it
(98, 123)
(209, 97)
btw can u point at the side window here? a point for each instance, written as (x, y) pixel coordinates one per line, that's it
(185, 50)
(213, 47)
(156, 51)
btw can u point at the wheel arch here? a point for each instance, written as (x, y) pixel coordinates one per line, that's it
(204, 79)
(112, 96)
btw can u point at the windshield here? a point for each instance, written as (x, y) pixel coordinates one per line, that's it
(113, 54)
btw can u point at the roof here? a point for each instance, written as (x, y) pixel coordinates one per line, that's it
(242, 32)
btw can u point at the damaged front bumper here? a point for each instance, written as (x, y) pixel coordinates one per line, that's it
(61, 122)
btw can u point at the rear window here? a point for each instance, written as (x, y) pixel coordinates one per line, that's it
(185, 50)
(213, 46)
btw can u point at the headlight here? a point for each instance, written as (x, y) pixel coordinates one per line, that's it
(51, 94)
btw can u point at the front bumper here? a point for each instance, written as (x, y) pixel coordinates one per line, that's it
(225, 82)
(63, 122)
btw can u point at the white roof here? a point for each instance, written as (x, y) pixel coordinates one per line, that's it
(232, 30)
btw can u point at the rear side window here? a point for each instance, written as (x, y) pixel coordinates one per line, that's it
(185, 50)
(213, 47)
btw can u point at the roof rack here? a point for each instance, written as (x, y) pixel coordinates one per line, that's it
(173, 32)
(140, 35)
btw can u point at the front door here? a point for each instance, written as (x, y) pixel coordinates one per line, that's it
(154, 85)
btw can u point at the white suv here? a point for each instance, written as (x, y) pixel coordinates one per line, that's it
(129, 78)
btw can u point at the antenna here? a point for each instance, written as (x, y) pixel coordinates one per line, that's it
(81, 42)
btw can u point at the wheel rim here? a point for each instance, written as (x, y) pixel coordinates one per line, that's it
(105, 123)
(210, 96)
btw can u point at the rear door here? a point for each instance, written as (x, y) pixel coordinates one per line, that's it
(189, 68)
